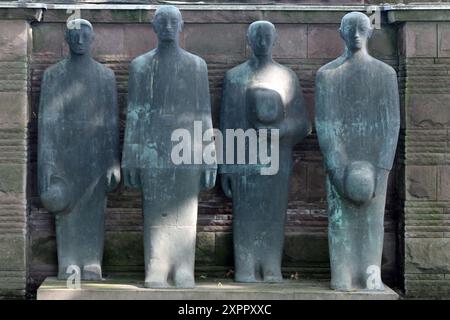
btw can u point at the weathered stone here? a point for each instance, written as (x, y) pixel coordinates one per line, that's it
(44, 250)
(324, 41)
(420, 182)
(443, 187)
(316, 182)
(428, 110)
(305, 248)
(138, 39)
(383, 43)
(12, 178)
(12, 253)
(130, 289)
(444, 39)
(224, 248)
(420, 39)
(291, 41)
(298, 189)
(205, 248)
(427, 255)
(48, 39)
(109, 40)
(231, 39)
(123, 249)
(14, 49)
(13, 40)
(13, 111)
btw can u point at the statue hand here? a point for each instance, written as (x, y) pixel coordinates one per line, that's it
(359, 182)
(112, 178)
(56, 197)
(132, 177)
(226, 180)
(209, 179)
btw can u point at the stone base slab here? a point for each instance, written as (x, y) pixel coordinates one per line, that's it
(209, 289)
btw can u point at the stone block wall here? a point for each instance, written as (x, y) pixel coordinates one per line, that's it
(425, 74)
(14, 59)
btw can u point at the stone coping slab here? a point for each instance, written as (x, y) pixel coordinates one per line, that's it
(220, 13)
(206, 289)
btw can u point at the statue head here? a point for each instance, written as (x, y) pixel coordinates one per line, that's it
(167, 23)
(356, 30)
(261, 36)
(79, 36)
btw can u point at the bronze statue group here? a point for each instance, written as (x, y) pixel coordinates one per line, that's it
(356, 118)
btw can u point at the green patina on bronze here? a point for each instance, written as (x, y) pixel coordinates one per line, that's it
(78, 151)
(357, 123)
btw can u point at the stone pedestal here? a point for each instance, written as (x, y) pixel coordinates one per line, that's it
(208, 289)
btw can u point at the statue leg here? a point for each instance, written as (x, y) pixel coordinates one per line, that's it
(258, 226)
(245, 229)
(187, 189)
(170, 199)
(273, 219)
(156, 240)
(372, 231)
(92, 232)
(341, 230)
(66, 247)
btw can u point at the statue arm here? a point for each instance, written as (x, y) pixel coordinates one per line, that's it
(46, 149)
(298, 125)
(113, 174)
(210, 172)
(132, 139)
(224, 124)
(333, 149)
(392, 105)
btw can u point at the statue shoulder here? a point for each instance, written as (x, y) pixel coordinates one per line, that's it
(143, 60)
(383, 67)
(55, 71)
(193, 60)
(237, 73)
(104, 71)
(288, 72)
(326, 70)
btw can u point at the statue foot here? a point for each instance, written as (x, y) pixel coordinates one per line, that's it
(92, 272)
(342, 287)
(184, 278)
(273, 277)
(245, 277)
(156, 284)
(62, 275)
(155, 279)
(65, 272)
